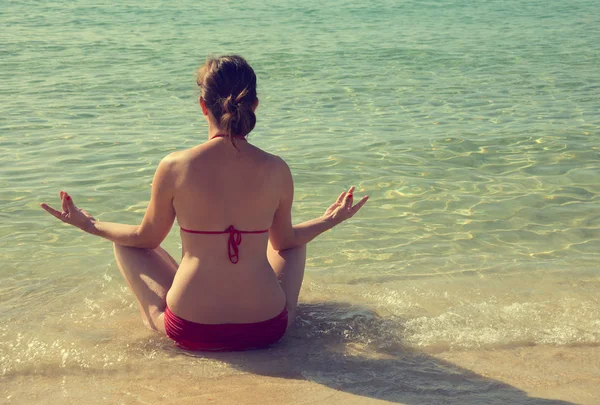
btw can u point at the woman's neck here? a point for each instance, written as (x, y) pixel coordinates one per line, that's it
(214, 131)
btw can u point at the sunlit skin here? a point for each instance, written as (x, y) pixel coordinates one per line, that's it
(209, 187)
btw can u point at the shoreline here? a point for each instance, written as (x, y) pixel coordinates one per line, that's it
(541, 375)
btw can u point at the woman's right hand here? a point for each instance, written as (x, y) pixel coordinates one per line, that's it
(70, 214)
(343, 209)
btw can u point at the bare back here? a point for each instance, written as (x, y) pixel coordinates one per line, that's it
(217, 185)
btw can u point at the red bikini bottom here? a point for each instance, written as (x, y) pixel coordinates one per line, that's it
(226, 336)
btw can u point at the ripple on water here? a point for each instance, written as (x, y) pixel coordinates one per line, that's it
(474, 135)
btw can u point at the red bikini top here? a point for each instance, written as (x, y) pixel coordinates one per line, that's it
(235, 235)
(235, 239)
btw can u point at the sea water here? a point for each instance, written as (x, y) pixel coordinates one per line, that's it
(473, 126)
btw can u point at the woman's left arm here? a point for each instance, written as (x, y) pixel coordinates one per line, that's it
(155, 226)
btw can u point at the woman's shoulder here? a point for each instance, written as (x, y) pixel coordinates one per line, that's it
(182, 156)
(279, 167)
(269, 158)
(276, 163)
(174, 162)
(274, 159)
(173, 158)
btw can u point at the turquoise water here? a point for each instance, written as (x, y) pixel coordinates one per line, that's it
(473, 127)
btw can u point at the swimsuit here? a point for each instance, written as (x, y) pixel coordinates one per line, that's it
(235, 239)
(235, 235)
(226, 336)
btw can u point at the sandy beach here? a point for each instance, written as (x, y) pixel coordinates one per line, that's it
(526, 375)
(470, 278)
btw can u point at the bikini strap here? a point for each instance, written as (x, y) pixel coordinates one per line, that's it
(234, 240)
(243, 138)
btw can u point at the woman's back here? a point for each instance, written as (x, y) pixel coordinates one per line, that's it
(218, 185)
(243, 262)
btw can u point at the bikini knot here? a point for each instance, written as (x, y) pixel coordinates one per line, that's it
(235, 238)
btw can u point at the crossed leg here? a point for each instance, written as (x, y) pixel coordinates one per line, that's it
(289, 266)
(149, 274)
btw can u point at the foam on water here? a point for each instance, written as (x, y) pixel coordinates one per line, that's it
(472, 127)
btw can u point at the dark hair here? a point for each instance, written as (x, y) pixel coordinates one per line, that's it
(228, 88)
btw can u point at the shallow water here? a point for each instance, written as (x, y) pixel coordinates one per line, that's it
(474, 129)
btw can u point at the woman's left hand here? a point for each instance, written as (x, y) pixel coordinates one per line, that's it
(71, 214)
(343, 209)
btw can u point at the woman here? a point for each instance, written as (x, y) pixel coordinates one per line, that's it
(243, 262)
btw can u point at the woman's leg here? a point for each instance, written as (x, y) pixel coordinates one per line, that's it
(289, 266)
(149, 273)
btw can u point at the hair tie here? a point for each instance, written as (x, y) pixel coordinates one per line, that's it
(233, 104)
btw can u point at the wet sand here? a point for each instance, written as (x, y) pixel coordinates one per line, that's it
(99, 353)
(525, 375)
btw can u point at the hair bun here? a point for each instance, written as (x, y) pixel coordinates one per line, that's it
(231, 103)
(228, 86)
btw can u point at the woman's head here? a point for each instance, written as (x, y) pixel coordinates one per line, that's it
(228, 89)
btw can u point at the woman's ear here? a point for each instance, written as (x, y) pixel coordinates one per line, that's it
(255, 104)
(203, 106)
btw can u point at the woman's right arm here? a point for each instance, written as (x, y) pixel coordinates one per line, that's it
(155, 226)
(284, 236)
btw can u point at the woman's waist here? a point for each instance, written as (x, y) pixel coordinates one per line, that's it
(208, 294)
(219, 251)
(208, 260)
